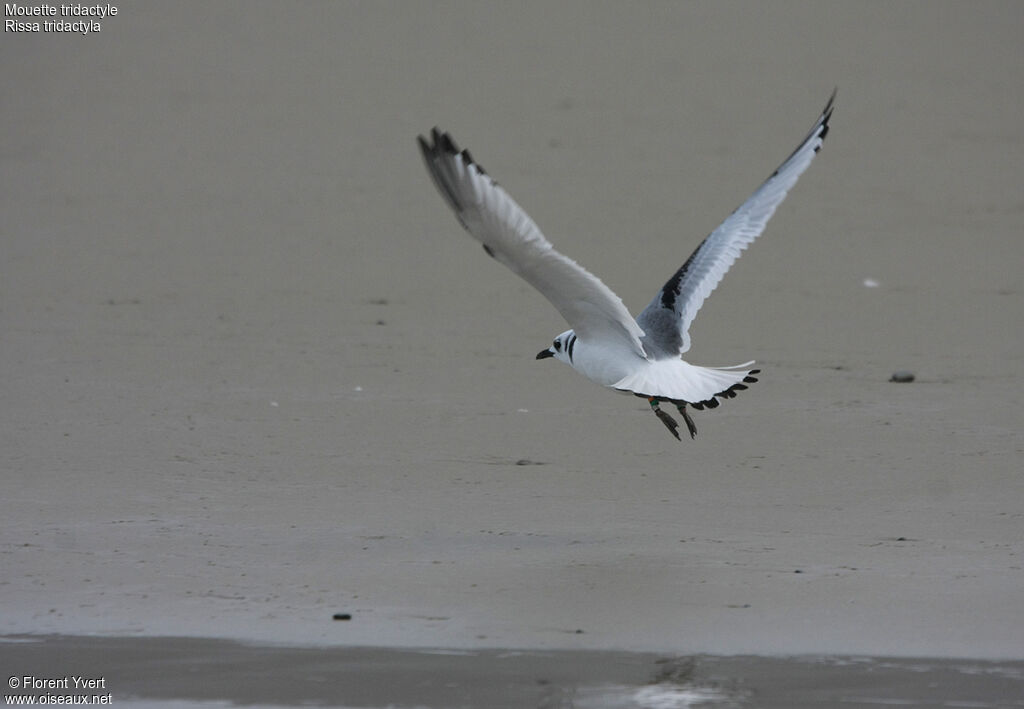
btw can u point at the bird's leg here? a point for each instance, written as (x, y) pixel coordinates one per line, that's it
(690, 425)
(670, 423)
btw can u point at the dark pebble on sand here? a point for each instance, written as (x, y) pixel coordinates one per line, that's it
(902, 376)
(342, 616)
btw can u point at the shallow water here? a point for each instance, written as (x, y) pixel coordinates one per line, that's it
(193, 672)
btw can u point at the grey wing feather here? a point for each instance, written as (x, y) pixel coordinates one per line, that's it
(666, 320)
(508, 234)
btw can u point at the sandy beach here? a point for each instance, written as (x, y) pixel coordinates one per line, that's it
(255, 376)
(157, 672)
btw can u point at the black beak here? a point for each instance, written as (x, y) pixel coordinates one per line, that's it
(544, 354)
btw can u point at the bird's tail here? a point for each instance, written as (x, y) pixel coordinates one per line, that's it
(681, 382)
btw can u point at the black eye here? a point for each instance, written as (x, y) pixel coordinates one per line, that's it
(558, 344)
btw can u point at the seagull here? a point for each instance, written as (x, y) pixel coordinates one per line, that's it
(642, 356)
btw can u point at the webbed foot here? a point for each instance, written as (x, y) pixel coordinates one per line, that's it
(690, 425)
(670, 423)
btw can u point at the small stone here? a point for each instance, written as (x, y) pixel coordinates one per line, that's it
(902, 375)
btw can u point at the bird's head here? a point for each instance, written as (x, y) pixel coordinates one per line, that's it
(561, 348)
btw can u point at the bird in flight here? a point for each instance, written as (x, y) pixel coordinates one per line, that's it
(642, 356)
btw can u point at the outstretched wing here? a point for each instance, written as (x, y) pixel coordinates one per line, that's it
(666, 320)
(508, 234)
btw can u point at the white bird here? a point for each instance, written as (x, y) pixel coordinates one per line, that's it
(605, 344)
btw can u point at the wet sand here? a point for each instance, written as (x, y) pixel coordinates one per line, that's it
(159, 671)
(253, 374)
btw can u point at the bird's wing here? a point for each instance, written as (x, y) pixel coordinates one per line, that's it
(666, 320)
(508, 234)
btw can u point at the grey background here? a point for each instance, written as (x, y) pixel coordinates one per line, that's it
(253, 373)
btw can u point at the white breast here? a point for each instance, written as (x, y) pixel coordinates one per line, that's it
(605, 362)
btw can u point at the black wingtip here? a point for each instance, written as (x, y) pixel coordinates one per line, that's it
(424, 145)
(830, 105)
(434, 154)
(831, 100)
(446, 143)
(470, 161)
(443, 143)
(826, 113)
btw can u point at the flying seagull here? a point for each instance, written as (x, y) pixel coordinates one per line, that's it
(642, 356)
